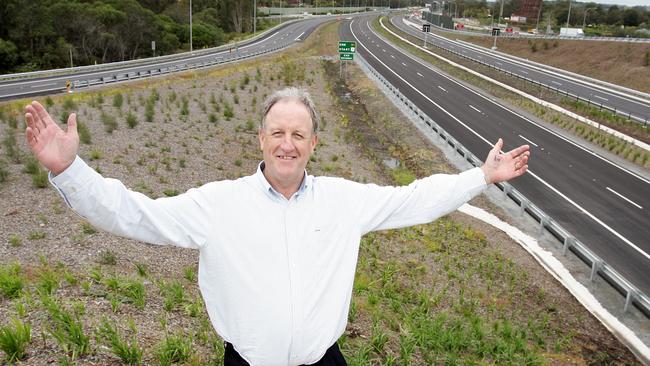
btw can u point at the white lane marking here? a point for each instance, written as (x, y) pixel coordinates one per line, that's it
(298, 38)
(40, 85)
(548, 185)
(441, 88)
(403, 64)
(525, 72)
(383, 49)
(474, 108)
(625, 198)
(420, 74)
(555, 82)
(499, 63)
(530, 142)
(599, 97)
(392, 56)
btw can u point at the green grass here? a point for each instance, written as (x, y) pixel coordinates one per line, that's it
(131, 120)
(109, 122)
(174, 349)
(66, 328)
(12, 280)
(173, 294)
(14, 340)
(128, 351)
(84, 133)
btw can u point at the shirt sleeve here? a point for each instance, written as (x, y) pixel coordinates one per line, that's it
(183, 220)
(422, 201)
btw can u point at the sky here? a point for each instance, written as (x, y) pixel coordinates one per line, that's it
(622, 2)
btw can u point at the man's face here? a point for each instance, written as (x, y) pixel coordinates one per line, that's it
(287, 142)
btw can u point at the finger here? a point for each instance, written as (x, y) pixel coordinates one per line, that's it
(43, 117)
(519, 150)
(499, 145)
(72, 124)
(29, 118)
(30, 137)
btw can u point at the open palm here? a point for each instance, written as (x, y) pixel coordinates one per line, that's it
(501, 167)
(53, 147)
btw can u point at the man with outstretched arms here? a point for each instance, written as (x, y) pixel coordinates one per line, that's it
(278, 249)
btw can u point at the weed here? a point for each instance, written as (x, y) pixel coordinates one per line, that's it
(84, 133)
(185, 109)
(69, 103)
(109, 123)
(87, 228)
(36, 235)
(65, 114)
(189, 273)
(174, 349)
(14, 340)
(15, 240)
(95, 154)
(47, 280)
(142, 269)
(127, 351)
(171, 192)
(128, 289)
(118, 99)
(238, 162)
(107, 257)
(11, 281)
(67, 329)
(228, 111)
(131, 120)
(49, 102)
(402, 176)
(149, 112)
(173, 293)
(4, 173)
(11, 148)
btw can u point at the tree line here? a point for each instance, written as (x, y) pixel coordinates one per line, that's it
(45, 34)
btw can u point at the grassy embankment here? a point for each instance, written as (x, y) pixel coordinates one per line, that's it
(438, 293)
(606, 141)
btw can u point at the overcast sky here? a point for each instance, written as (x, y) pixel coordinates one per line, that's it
(622, 2)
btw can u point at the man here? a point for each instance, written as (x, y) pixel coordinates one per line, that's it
(278, 249)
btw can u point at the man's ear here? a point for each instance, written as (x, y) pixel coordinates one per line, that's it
(260, 135)
(314, 141)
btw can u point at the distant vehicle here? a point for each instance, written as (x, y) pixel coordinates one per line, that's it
(572, 32)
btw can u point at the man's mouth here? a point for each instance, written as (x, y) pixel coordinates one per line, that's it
(285, 157)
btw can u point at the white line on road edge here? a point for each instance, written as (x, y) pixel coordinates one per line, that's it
(392, 56)
(41, 85)
(599, 97)
(525, 72)
(623, 197)
(553, 266)
(535, 176)
(298, 38)
(403, 64)
(441, 88)
(474, 108)
(530, 142)
(544, 103)
(555, 82)
(420, 74)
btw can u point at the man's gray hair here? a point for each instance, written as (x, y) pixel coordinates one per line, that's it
(294, 93)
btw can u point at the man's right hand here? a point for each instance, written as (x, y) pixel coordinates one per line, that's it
(53, 147)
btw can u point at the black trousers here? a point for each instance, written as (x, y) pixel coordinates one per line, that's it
(333, 357)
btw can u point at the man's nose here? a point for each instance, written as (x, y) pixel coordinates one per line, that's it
(287, 143)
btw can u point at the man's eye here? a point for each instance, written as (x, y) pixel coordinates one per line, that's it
(277, 134)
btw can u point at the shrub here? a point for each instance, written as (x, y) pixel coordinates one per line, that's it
(11, 148)
(228, 112)
(118, 100)
(84, 133)
(13, 340)
(69, 104)
(49, 102)
(14, 240)
(109, 122)
(131, 120)
(39, 179)
(149, 112)
(107, 257)
(11, 281)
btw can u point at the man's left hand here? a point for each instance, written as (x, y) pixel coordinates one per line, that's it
(500, 167)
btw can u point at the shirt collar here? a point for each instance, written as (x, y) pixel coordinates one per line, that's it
(306, 182)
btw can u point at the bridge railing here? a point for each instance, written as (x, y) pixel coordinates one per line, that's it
(568, 242)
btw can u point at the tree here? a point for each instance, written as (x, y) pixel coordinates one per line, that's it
(631, 17)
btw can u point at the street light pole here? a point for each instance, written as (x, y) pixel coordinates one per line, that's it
(190, 26)
(539, 14)
(254, 17)
(568, 15)
(584, 18)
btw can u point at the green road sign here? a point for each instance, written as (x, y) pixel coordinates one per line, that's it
(346, 56)
(347, 47)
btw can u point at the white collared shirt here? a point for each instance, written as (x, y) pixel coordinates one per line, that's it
(276, 274)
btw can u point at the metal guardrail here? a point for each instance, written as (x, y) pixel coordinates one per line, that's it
(644, 120)
(543, 36)
(127, 76)
(633, 296)
(120, 64)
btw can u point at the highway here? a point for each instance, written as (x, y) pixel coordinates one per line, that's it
(284, 35)
(604, 205)
(637, 108)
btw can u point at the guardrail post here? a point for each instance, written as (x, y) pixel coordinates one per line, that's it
(506, 189)
(568, 242)
(628, 299)
(543, 222)
(522, 206)
(595, 266)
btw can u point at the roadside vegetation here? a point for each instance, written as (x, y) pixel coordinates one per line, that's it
(606, 141)
(450, 292)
